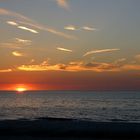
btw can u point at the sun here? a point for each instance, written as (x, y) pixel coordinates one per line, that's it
(21, 89)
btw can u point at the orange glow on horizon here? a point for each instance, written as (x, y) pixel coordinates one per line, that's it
(20, 89)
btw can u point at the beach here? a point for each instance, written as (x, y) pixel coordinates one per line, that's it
(57, 128)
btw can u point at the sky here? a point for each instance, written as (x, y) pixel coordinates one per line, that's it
(70, 44)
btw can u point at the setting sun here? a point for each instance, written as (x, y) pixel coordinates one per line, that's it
(20, 89)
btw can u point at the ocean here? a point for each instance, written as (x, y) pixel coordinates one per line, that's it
(104, 106)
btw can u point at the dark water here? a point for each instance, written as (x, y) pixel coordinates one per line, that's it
(96, 106)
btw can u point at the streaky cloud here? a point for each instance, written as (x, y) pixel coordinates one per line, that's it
(133, 67)
(64, 49)
(74, 28)
(17, 54)
(13, 14)
(70, 27)
(137, 57)
(28, 29)
(27, 42)
(100, 51)
(27, 21)
(16, 43)
(12, 23)
(5, 70)
(48, 29)
(89, 28)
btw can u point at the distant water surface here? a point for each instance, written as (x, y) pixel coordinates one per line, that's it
(87, 105)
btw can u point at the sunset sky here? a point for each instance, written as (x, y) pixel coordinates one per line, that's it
(70, 44)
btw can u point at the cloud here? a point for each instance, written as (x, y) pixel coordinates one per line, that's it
(74, 28)
(12, 23)
(27, 21)
(48, 29)
(5, 70)
(28, 29)
(135, 67)
(63, 3)
(63, 49)
(27, 42)
(18, 54)
(137, 57)
(71, 67)
(100, 51)
(80, 66)
(70, 27)
(89, 28)
(16, 43)
(120, 61)
(13, 14)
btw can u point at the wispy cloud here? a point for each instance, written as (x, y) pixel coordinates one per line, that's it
(12, 23)
(120, 61)
(63, 3)
(5, 70)
(137, 57)
(133, 67)
(16, 43)
(18, 54)
(28, 29)
(13, 14)
(100, 51)
(27, 42)
(48, 29)
(70, 27)
(64, 49)
(74, 28)
(21, 19)
(89, 28)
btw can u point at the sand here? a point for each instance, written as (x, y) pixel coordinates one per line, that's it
(67, 129)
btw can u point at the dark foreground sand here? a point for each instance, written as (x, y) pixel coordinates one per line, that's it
(67, 129)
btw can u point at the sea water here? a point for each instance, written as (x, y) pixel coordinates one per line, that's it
(82, 105)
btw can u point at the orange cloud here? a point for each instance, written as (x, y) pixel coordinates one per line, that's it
(80, 66)
(5, 70)
(18, 54)
(135, 67)
(137, 57)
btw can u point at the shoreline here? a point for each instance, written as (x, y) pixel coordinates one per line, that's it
(69, 128)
